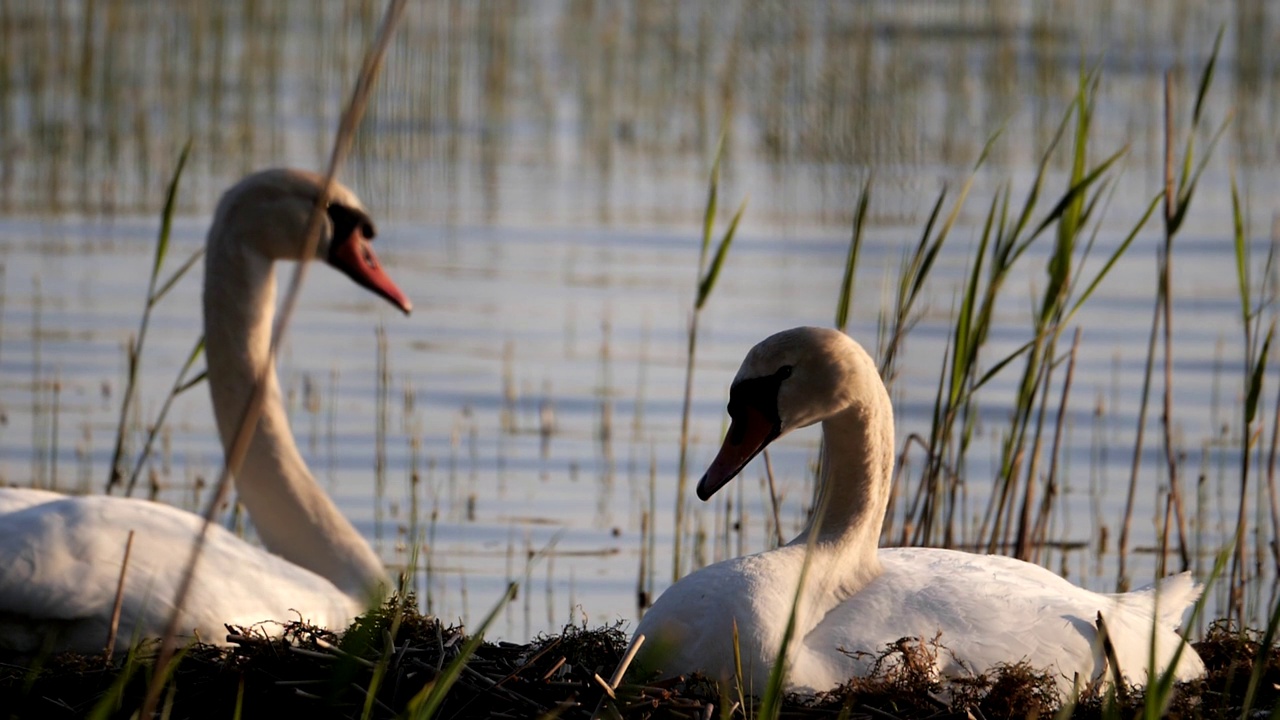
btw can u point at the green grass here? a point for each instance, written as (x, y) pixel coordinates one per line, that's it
(707, 275)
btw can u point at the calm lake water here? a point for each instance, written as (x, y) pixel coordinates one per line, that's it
(538, 172)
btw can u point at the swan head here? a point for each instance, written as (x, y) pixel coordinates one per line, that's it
(268, 212)
(791, 380)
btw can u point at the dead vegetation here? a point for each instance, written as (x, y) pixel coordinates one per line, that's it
(389, 660)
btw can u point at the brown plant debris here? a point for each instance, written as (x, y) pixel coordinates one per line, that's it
(314, 673)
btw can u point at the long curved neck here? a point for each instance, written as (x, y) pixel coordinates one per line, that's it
(850, 500)
(293, 516)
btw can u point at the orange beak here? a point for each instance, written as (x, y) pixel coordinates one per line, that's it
(354, 256)
(749, 433)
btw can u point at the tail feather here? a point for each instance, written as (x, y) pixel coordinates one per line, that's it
(1168, 598)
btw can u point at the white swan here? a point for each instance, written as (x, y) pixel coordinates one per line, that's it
(60, 556)
(857, 598)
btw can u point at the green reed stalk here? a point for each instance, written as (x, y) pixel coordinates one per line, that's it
(417, 537)
(774, 692)
(912, 275)
(1177, 200)
(1160, 692)
(382, 401)
(737, 669)
(112, 699)
(155, 292)
(931, 490)
(1261, 666)
(1004, 239)
(180, 385)
(851, 261)
(384, 661)
(707, 275)
(428, 700)
(1069, 216)
(1254, 369)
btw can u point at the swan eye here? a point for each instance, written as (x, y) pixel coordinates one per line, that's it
(784, 372)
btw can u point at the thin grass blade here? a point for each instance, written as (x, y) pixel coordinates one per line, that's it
(1242, 253)
(1077, 190)
(1206, 77)
(180, 385)
(722, 250)
(851, 260)
(713, 198)
(425, 704)
(177, 275)
(166, 217)
(1256, 378)
(1115, 256)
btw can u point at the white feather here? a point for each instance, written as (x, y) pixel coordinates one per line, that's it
(984, 610)
(61, 557)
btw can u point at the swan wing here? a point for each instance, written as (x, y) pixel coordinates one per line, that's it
(60, 563)
(692, 625)
(985, 611)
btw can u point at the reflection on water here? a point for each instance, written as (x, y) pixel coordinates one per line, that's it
(538, 171)
(594, 112)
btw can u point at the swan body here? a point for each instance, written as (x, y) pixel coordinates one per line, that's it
(857, 599)
(65, 553)
(61, 556)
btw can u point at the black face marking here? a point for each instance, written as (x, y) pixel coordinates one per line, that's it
(347, 220)
(760, 393)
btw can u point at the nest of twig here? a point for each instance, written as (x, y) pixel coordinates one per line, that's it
(389, 660)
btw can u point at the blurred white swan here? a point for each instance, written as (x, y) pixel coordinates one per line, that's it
(983, 609)
(60, 556)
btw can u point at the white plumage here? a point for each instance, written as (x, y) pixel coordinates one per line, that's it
(60, 556)
(984, 610)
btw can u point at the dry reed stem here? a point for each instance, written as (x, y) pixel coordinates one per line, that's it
(1170, 197)
(683, 463)
(118, 605)
(899, 472)
(249, 421)
(546, 677)
(606, 704)
(1171, 210)
(1041, 529)
(1271, 483)
(1044, 377)
(642, 597)
(1112, 660)
(773, 497)
(607, 707)
(621, 670)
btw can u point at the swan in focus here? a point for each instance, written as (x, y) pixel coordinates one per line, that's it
(984, 609)
(60, 556)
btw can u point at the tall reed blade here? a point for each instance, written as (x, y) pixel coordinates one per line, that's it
(707, 276)
(428, 700)
(851, 261)
(116, 470)
(1254, 371)
(180, 385)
